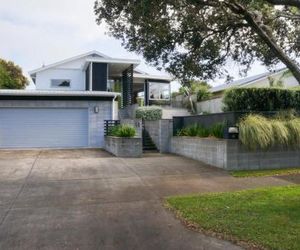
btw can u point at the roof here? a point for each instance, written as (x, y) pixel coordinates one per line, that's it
(14, 92)
(245, 81)
(152, 77)
(93, 52)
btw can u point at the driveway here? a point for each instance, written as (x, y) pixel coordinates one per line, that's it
(88, 199)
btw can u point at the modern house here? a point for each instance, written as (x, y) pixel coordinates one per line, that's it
(72, 99)
(281, 77)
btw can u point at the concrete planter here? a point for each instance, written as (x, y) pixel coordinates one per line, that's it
(232, 155)
(124, 147)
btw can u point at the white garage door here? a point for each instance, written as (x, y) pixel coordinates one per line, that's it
(43, 127)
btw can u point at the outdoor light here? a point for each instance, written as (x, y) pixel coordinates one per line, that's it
(96, 109)
(233, 132)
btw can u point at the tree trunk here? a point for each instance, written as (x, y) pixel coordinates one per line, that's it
(267, 38)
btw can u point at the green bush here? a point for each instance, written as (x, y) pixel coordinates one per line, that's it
(261, 99)
(203, 93)
(256, 131)
(216, 130)
(123, 130)
(149, 113)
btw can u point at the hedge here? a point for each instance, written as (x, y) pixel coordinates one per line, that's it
(149, 113)
(261, 99)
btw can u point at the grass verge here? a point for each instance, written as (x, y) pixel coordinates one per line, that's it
(267, 218)
(265, 172)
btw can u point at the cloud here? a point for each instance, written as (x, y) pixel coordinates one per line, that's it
(36, 32)
(41, 32)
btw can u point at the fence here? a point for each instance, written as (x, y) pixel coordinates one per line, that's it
(228, 118)
(108, 124)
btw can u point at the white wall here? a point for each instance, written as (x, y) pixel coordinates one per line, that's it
(210, 106)
(77, 77)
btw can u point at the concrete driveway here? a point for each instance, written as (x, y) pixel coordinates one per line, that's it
(87, 199)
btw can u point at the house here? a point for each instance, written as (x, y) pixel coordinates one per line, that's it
(282, 77)
(72, 99)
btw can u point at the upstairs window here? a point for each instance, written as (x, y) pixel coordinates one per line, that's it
(60, 83)
(159, 91)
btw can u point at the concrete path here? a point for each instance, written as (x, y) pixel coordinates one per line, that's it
(87, 199)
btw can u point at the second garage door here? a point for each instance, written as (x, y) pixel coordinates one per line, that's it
(43, 127)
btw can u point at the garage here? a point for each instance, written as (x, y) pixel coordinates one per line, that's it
(54, 119)
(43, 127)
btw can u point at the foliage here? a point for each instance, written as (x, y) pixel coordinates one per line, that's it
(159, 102)
(11, 76)
(265, 172)
(203, 94)
(123, 130)
(149, 113)
(197, 38)
(256, 131)
(140, 101)
(261, 99)
(268, 218)
(216, 130)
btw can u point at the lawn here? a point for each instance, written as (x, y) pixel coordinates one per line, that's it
(268, 218)
(265, 172)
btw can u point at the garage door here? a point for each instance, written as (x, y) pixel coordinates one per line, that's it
(43, 127)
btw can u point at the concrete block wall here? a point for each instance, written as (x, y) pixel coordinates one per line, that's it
(212, 152)
(239, 157)
(161, 132)
(232, 155)
(124, 147)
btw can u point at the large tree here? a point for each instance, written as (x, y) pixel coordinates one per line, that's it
(196, 38)
(11, 76)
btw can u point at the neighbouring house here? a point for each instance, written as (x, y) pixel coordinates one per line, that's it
(281, 77)
(72, 99)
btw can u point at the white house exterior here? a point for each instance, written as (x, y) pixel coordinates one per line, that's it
(215, 105)
(72, 100)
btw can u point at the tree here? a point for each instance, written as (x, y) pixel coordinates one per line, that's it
(196, 38)
(11, 76)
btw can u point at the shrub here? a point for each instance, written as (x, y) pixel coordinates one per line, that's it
(261, 99)
(123, 130)
(149, 113)
(203, 93)
(256, 131)
(216, 130)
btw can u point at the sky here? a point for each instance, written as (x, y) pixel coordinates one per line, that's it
(37, 32)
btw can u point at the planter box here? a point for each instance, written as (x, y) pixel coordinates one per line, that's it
(124, 147)
(232, 155)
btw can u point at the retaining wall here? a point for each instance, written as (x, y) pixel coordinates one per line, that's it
(124, 147)
(232, 155)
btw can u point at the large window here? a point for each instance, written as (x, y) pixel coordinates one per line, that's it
(60, 83)
(159, 91)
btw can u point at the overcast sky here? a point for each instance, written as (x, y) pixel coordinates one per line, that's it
(36, 32)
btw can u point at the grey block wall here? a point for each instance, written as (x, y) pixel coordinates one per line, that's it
(232, 155)
(161, 132)
(95, 120)
(212, 152)
(124, 147)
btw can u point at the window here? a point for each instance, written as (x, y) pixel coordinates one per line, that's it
(159, 91)
(60, 83)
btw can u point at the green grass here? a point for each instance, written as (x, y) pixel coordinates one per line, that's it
(265, 172)
(268, 218)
